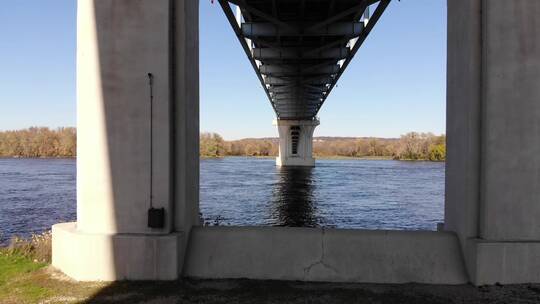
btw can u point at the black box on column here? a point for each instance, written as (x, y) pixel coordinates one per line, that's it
(156, 218)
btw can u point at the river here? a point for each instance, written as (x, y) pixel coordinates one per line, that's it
(366, 194)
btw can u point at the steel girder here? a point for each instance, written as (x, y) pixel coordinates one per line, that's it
(268, 29)
(300, 48)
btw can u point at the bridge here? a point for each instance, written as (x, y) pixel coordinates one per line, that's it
(299, 49)
(138, 161)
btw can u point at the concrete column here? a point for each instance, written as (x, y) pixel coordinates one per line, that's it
(119, 172)
(493, 128)
(296, 142)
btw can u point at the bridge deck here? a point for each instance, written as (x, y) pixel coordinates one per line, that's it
(300, 48)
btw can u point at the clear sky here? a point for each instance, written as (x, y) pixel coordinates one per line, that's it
(395, 84)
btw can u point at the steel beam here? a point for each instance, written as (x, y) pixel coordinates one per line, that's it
(294, 94)
(358, 8)
(281, 70)
(294, 100)
(278, 81)
(381, 7)
(232, 21)
(287, 89)
(314, 88)
(298, 109)
(348, 29)
(296, 53)
(295, 66)
(321, 80)
(283, 88)
(295, 105)
(296, 116)
(257, 12)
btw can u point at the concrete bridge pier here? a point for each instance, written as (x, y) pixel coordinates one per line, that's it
(493, 129)
(296, 142)
(134, 153)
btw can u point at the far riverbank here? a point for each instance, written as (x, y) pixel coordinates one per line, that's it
(61, 143)
(336, 157)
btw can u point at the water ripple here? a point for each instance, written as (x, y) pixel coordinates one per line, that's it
(367, 194)
(364, 194)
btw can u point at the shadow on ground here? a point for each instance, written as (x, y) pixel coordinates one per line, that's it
(247, 291)
(22, 280)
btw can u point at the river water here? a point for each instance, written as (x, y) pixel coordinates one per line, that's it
(368, 194)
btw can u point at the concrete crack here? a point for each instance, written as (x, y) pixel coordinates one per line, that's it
(320, 261)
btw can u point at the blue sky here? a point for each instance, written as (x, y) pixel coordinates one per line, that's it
(395, 84)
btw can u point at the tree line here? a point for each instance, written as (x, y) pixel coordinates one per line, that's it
(39, 142)
(411, 146)
(61, 142)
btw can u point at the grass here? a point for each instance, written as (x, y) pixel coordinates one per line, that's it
(11, 265)
(15, 286)
(26, 275)
(25, 280)
(18, 263)
(37, 247)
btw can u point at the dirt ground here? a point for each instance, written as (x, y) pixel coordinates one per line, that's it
(47, 285)
(246, 291)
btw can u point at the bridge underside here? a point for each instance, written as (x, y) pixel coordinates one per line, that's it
(300, 48)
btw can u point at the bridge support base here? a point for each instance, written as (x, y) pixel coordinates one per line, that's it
(113, 257)
(296, 142)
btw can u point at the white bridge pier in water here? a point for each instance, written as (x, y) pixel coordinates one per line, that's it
(138, 167)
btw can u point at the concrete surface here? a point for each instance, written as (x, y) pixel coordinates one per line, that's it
(511, 121)
(462, 188)
(111, 257)
(119, 43)
(506, 262)
(185, 158)
(493, 130)
(312, 254)
(304, 156)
